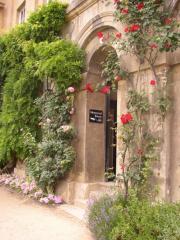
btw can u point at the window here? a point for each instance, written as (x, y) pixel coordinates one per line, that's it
(22, 13)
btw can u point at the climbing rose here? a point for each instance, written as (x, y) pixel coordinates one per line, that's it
(153, 82)
(126, 118)
(100, 36)
(134, 28)
(117, 78)
(89, 88)
(153, 45)
(168, 21)
(124, 11)
(105, 89)
(71, 89)
(129, 117)
(118, 35)
(140, 6)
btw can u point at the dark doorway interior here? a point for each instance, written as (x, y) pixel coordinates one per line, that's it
(111, 122)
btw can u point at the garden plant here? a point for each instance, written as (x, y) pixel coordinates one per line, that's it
(37, 68)
(149, 30)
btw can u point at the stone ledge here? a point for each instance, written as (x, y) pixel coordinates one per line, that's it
(79, 6)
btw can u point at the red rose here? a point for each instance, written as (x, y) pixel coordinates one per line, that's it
(124, 11)
(134, 28)
(105, 89)
(126, 118)
(123, 119)
(88, 88)
(117, 78)
(168, 21)
(153, 82)
(118, 35)
(153, 45)
(129, 117)
(100, 35)
(140, 6)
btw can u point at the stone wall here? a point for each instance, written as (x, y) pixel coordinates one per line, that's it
(86, 18)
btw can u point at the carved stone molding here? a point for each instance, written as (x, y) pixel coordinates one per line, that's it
(79, 6)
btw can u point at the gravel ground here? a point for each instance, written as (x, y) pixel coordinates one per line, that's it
(24, 219)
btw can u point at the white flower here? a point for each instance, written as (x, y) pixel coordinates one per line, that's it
(48, 120)
(66, 128)
(101, 40)
(72, 111)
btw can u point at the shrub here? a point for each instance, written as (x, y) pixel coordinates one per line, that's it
(115, 219)
(31, 54)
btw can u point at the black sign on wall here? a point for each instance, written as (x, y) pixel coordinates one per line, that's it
(95, 116)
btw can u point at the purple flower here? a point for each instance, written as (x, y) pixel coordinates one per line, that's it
(90, 202)
(58, 199)
(51, 197)
(44, 200)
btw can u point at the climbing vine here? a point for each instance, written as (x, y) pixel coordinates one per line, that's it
(36, 67)
(149, 30)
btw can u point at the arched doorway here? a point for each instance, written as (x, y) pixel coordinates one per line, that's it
(100, 136)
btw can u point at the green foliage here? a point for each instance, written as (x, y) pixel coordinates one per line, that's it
(155, 27)
(112, 69)
(29, 55)
(60, 60)
(138, 102)
(54, 155)
(114, 219)
(46, 23)
(101, 218)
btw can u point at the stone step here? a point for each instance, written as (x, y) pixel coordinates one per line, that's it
(75, 211)
(82, 203)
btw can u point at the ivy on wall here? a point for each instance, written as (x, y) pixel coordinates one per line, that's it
(31, 54)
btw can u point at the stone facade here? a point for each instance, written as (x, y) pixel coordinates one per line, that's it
(86, 18)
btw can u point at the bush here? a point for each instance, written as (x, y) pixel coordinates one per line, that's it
(30, 55)
(115, 219)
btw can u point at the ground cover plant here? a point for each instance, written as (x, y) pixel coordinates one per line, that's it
(113, 218)
(28, 188)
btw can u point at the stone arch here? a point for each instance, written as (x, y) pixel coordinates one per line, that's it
(92, 143)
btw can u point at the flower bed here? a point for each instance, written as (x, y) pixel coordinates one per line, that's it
(28, 188)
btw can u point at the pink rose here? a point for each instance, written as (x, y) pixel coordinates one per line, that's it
(71, 89)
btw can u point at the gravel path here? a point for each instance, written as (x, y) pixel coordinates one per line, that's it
(23, 219)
